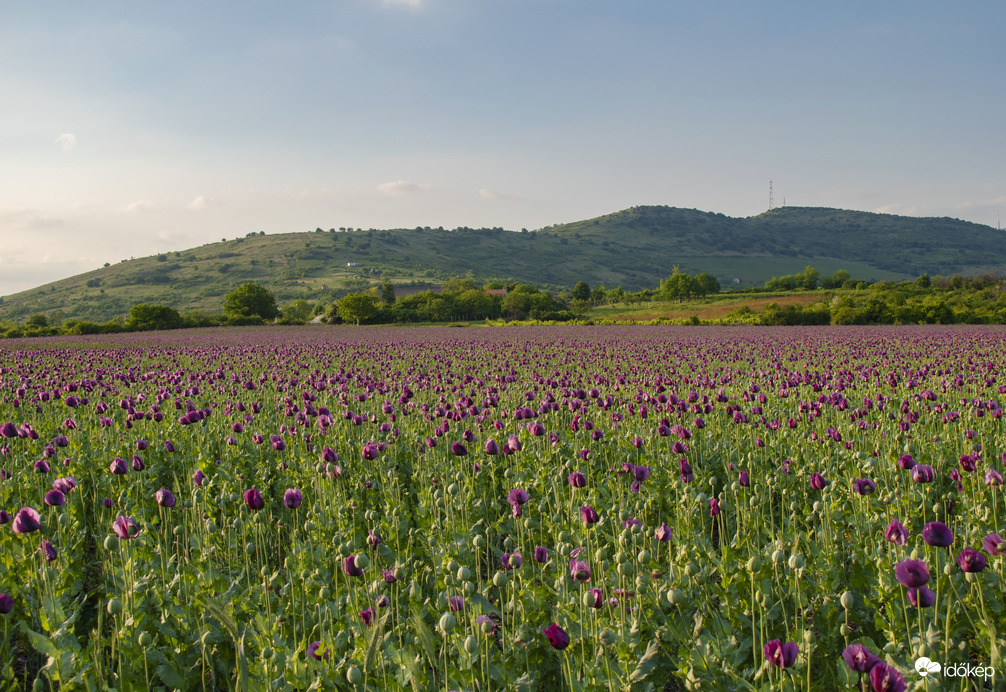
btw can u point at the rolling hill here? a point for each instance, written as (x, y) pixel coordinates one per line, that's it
(634, 248)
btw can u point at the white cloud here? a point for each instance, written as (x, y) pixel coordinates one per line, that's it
(26, 219)
(138, 206)
(399, 188)
(899, 209)
(67, 141)
(411, 4)
(488, 195)
(200, 202)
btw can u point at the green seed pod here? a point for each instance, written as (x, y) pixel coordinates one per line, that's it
(447, 622)
(479, 541)
(948, 570)
(625, 569)
(754, 564)
(362, 561)
(324, 594)
(691, 569)
(916, 554)
(145, 639)
(845, 630)
(111, 542)
(464, 574)
(454, 489)
(778, 556)
(607, 637)
(644, 557)
(500, 579)
(399, 573)
(676, 596)
(353, 676)
(642, 581)
(508, 543)
(178, 530)
(267, 653)
(471, 645)
(210, 526)
(848, 599)
(114, 606)
(796, 562)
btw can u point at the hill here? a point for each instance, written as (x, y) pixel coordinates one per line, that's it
(634, 248)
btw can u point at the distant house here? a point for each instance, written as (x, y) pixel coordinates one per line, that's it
(352, 264)
(496, 292)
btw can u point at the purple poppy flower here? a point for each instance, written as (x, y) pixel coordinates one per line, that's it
(912, 573)
(6, 603)
(541, 554)
(8, 430)
(26, 520)
(124, 527)
(714, 507)
(4, 517)
(921, 597)
(349, 567)
(41, 466)
(970, 560)
(923, 474)
(373, 538)
(536, 429)
(388, 576)
(779, 654)
(292, 498)
(456, 603)
(630, 522)
(46, 550)
(370, 451)
(859, 658)
(138, 464)
(164, 498)
(937, 534)
(108, 503)
(664, 533)
(312, 651)
(458, 449)
(579, 571)
(641, 473)
(577, 479)
(382, 601)
(588, 515)
(864, 486)
(491, 448)
(329, 456)
(906, 462)
(884, 678)
(367, 616)
(119, 466)
(742, 479)
(55, 498)
(512, 560)
(517, 496)
(253, 498)
(817, 481)
(557, 637)
(993, 478)
(896, 533)
(64, 485)
(598, 598)
(168, 447)
(198, 477)
(514, 444)
(993, 544)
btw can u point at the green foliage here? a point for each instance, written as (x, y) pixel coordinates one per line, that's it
(145, 317)
(357, 307)
(251, 300)
(581, 291)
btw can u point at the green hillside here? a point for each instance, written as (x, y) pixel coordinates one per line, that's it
(634, 249)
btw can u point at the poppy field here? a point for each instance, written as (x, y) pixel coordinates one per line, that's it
(528, 508)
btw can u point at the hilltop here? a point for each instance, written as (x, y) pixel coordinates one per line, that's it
(634, 248)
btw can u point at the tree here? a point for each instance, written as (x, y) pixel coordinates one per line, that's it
(678, 286)
(388, 293)
(809, 278)
(356, 307)
(297, 312)
(145, 318)
(706, 283)
(250, 300)
(581, 291)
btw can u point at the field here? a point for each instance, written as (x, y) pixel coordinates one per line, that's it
(577, 508)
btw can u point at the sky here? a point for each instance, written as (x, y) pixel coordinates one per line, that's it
(132, 128)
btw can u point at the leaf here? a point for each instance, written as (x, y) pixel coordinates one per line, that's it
(650, 661)
(41, 643)
(170, 676)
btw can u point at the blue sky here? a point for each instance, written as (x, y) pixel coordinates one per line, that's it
(132, 128)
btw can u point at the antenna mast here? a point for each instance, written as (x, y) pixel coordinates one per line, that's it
(771, 203)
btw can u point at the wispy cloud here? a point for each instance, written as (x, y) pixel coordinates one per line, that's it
(400, 188)
(140, 205)
(26, 219)
(67, 141)
(411, 4)
(200, 202)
